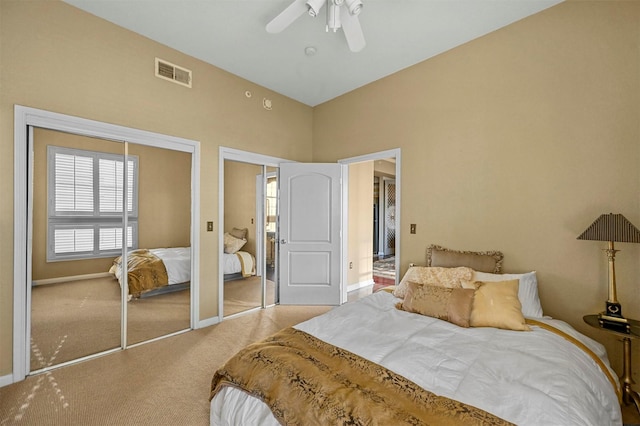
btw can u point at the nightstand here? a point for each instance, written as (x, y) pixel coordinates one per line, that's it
(628, 394)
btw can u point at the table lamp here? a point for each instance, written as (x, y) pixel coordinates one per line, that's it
(612, 228)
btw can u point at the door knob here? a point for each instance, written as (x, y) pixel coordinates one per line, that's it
(283, 241)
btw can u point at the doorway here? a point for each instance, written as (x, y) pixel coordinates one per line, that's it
(373, 245)
(62, 277)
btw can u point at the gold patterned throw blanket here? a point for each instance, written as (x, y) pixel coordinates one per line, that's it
(145, 271)
(306, 381)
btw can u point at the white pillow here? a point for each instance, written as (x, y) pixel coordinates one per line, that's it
(232, 244)
(527, 291)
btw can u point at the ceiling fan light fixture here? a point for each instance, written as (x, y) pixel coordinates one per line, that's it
(315, 6)
(354, 6)
(333, 17)
(337, 17)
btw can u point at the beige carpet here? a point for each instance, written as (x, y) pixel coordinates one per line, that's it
(241, 295)
(161, 383)
(75, 319)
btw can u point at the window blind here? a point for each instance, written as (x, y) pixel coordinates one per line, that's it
(86, 203)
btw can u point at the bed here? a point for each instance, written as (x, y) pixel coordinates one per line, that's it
(155, 271)
(164, 270)
(544, 373)
(237, 264)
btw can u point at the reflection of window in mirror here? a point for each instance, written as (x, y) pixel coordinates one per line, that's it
(271, 204)
(85, 204)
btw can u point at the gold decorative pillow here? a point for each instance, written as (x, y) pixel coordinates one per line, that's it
(239, 233)
(496, 304)
(485, 261)
(232, 244)
(448, 304)
(443, 277)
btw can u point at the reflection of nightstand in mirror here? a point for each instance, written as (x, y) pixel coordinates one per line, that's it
(628, 394)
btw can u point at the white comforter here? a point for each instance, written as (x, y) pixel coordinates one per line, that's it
(231, 263)
(177, 262)
(528, 378)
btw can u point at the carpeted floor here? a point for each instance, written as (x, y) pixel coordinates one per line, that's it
(75, 319)
(245, 294)
(165, 382)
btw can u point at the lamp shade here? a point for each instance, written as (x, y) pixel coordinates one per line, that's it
(612, 227)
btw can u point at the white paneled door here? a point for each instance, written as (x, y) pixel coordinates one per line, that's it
(310, 233)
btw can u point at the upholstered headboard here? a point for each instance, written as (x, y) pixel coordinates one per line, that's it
(483, 261)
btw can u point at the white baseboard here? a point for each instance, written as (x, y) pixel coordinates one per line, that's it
(208, 322)
(71, 278)
(6, 380)
(358, 286)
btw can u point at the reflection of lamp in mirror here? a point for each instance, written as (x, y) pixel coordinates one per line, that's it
(612, 228)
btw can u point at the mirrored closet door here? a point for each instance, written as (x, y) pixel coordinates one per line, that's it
(89, 294)
(164, 225)
(248, 262)
(76, 305)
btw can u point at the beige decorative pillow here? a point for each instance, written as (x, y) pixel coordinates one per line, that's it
(496, 304)
(448, 304)
(485, 261)
(239, 233)
(232, 244)
(443, 277)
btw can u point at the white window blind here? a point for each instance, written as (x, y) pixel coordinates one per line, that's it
(74, 183)
(86, 196)
(272, 201)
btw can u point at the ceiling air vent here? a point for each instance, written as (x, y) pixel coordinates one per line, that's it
(172, 72)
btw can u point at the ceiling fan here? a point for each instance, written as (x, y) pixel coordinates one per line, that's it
(340, 14)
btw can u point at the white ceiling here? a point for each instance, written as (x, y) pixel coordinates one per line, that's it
(231, 35)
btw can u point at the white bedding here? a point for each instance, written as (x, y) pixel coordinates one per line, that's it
(528, 378)
(177, 262)
(231, 264)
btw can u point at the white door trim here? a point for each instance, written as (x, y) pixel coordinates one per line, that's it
(381, 155)
(24, 119)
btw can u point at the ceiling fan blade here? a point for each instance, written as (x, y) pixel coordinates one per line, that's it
(352, 30)
(287, 16)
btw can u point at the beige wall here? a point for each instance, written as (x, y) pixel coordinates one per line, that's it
(516, 141)
(164, 200)
(58, 58)
(240, 199)
(360, 244)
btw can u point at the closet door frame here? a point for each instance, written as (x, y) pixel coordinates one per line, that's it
(25, 119)
(233, 154)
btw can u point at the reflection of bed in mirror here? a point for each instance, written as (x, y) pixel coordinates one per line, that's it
(155, 271)
(238, 265)
(165, 270)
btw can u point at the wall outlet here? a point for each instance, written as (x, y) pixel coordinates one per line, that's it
(413, 228)
(209, 226)
(350, 265)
